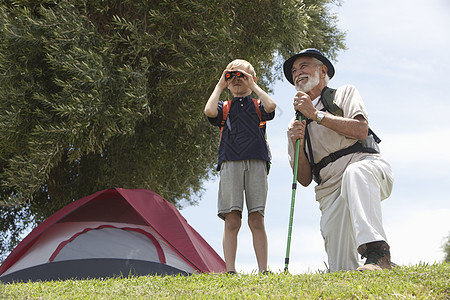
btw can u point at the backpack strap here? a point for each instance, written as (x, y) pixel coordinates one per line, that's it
(226, 110)
(327, 99)
(256, 102)
(357, 147)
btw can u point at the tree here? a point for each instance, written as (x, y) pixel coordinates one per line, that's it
(102, 93)
(446, 248)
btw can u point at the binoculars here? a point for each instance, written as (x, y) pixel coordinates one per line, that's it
(232, 74)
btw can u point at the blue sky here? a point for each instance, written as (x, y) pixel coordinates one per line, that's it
(398, 58)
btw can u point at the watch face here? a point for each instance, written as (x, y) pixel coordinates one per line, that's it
(320, 116)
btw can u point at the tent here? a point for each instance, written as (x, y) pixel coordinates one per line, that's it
(114, 232)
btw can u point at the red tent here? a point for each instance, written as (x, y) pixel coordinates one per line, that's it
(114, 232)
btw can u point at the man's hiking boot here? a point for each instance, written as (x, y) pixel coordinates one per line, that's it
(378, 257)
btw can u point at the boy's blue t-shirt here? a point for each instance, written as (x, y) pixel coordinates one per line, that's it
(242, 137)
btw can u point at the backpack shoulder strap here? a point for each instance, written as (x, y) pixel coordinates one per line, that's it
(327, 98)
(225, 111)
(256, 102)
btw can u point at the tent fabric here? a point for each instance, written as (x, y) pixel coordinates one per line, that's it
(90, 269)
(119, 224)
(92, 243)
(48, 242)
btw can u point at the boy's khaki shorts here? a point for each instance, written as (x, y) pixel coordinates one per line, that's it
(237, 177)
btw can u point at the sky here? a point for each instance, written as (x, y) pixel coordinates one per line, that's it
(397, 57)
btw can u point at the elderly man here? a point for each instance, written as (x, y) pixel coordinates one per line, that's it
(339, 154)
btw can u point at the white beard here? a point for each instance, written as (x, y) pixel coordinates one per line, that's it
(312, 82)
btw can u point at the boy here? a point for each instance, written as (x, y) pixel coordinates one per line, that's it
(243, 157)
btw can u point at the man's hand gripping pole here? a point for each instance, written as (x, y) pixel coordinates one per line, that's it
(299, 117)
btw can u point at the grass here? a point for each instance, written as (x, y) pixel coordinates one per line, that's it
(414, 282)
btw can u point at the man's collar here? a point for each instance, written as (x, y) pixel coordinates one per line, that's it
(315, 101)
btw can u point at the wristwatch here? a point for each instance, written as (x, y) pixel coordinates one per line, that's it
(320, 115)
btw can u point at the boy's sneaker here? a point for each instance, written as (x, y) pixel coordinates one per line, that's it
(378, 257)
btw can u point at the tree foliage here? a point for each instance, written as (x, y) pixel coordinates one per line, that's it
(102, 93)
(446, 248)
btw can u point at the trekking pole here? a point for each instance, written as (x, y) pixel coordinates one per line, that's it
(298, 116)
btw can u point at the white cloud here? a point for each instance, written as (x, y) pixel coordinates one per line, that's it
(395, 39)
(401, 25)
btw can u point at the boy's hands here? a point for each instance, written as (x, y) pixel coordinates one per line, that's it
(247, 80)
(223, 83)
(211, 106)
(239, 87)
(247, 85)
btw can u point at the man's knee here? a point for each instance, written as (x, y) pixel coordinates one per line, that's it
(354, 169)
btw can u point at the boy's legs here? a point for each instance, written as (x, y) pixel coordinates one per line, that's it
(232, 226)
(235, 177)
(256, 224)
(230, 206)
(256, 194)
